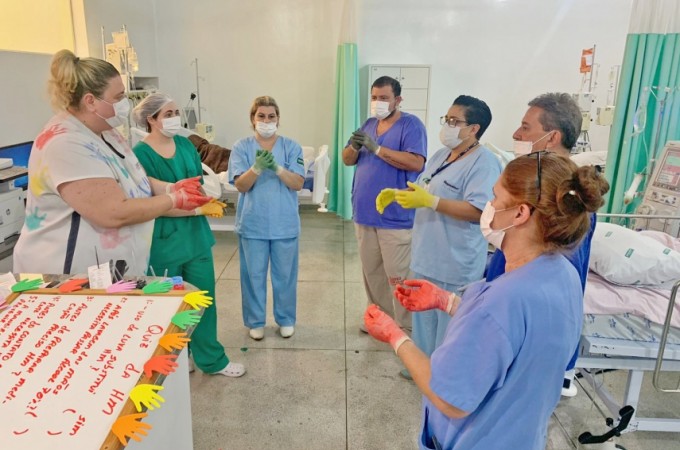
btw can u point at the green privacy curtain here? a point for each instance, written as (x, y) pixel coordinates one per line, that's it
(346, 118)
(648, 101)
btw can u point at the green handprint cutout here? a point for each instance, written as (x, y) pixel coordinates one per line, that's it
(185, 319)
(158, 287)
(27, 285)
(34, 219)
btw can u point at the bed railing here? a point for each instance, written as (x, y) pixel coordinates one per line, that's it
(662, 344)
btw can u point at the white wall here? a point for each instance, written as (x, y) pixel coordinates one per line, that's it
(504, 52)
(24, 103)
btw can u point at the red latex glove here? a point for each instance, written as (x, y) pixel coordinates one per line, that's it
(383, 327)
(74, 284)
(192, 185)
(424, 296)
(163, 364)
(188, 200)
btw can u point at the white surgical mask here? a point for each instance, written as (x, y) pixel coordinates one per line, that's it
(520, 148)
(121, 110)
(450, 136)
(265, 129)
(171, 126)
(380, 110)
(495, 237)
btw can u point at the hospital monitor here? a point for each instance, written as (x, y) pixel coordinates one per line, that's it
(668, 174)
(19, 154)
(662, 195)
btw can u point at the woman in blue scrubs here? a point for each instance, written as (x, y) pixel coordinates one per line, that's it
(495, 379)
(268, 171)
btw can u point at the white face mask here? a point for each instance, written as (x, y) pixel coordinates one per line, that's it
(450, 137)
(495, 237)
(520, 148)
(265, 129)
(121, 110)
(380, 110)
(171, 126)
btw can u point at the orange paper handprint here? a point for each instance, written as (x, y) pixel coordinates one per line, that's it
(72, 285)
(174, 341)
(163, 364)
(127, 426)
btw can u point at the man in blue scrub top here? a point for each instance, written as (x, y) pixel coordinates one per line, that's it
(389, 150)
(552, 123)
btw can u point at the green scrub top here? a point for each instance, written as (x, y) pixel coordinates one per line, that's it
(176, 239)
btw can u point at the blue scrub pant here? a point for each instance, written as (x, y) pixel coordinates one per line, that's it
(429, 327)
(254, 256)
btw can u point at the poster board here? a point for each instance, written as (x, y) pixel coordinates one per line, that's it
(69, 361)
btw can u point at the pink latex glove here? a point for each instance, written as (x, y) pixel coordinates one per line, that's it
(383, 327)
(424, 296)
(188, 200)
(192, 185)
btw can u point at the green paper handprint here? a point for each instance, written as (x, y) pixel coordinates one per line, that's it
(27, 285)
(158, 287)
(34, 219)
(185, 319)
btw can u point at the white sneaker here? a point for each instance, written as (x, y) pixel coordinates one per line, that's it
(256, 333)
(287, 332)
(570, 391)
(233, 370)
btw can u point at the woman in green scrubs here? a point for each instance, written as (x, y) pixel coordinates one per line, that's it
(182, 240)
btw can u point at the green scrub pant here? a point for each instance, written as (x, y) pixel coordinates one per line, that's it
(208, 353)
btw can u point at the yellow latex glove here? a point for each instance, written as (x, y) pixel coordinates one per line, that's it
(198, 299)
(384, 199)
(417, 198)
(214, 208)
(146, 395)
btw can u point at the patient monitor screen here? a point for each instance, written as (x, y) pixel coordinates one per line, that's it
(668, 176)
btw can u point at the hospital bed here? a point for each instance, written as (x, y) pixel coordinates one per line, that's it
(640, 334)
(316, 167)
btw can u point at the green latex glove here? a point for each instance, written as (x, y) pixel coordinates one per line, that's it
(417, 198)
(365, 140)
(261, 161)
(27, 285)
(158, 287)
(355, 142)
(271, 163)
(384, 199)
(185, 319)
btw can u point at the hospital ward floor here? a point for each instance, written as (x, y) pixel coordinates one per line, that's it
(331, 386)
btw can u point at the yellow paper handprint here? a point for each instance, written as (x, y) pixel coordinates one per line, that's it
(146, 395)
(198, 299)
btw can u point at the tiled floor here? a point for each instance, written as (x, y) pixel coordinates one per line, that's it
(332, 387)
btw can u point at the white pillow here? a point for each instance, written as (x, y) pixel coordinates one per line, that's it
(623, 256)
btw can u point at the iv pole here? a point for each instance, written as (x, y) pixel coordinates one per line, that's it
(198, 92)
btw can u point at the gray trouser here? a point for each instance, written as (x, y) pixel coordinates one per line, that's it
(385, 258)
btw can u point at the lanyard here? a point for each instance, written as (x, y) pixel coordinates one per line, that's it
(445, 164)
